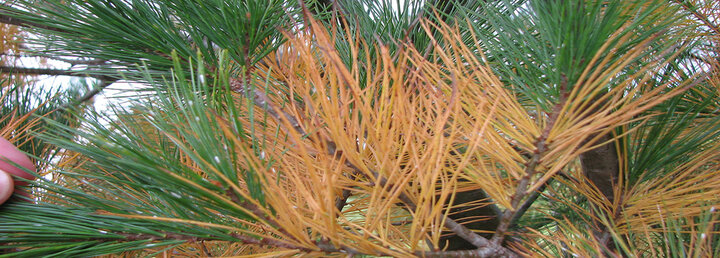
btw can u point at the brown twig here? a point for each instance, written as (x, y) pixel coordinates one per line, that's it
(69, 61)
(7, 18)
(341, 200)
(91, 93)
(105, 80)
(528, 202)
(47, 71)
(464, 253)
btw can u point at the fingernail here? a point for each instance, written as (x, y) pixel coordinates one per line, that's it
(6, 186)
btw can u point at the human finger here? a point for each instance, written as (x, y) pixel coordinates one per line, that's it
(6, 186)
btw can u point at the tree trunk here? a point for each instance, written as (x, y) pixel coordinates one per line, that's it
(601, 167)
(484, 218)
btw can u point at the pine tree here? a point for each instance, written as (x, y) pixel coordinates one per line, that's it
(379, 128)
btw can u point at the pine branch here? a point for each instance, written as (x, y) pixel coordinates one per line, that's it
(47, 71)
(7, 18)
(528, 202)
(341, 200)
(465, 253)
(530, 167)
(282, 117)
(69, 61)
(261, 100)
(90, 94)
(323, 246)
(105, 80)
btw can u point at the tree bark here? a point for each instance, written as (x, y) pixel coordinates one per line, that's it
(483, 218)
(602, 167)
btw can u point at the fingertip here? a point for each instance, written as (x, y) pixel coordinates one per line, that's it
(6, 186)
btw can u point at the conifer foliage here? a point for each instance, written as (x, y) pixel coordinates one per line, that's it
(379, 128)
